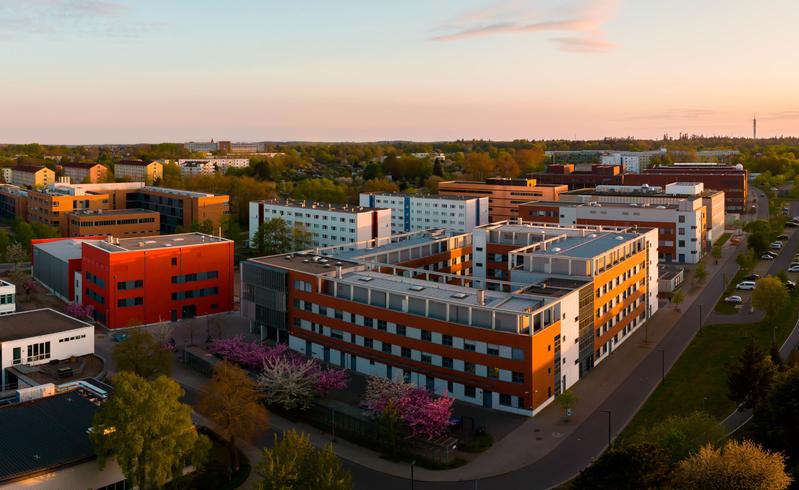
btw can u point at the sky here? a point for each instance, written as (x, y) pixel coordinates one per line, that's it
(133, 71)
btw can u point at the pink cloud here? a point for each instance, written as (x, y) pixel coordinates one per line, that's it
(580, 19)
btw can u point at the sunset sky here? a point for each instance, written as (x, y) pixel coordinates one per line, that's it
(103, 71)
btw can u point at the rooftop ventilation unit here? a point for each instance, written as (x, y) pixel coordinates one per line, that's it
(416, 288)
(619, 238)
(365, 279)
(460, 295)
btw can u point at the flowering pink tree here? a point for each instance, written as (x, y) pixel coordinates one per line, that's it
(254, 355)
(422, 413)
(79, 311)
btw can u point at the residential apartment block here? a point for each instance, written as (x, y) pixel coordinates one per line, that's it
(732, 179)
(504, 195)
(428, 307)
(7, 174)
(328, 224)
(209, 166)
(119, 223)
(411, 212)
(32, 177)
(688, 219)
(13, 202)
(138, 171)
(89, 173)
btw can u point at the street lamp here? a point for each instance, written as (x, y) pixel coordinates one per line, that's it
(609, 426)
(700, 318)
(413, 462)
(662, 366)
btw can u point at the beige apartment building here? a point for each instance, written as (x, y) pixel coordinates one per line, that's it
(138, 171)
(31, 176)
(89, 173)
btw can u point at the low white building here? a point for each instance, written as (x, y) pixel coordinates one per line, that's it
(421, 212)
(29, 338)
(207, 166)
(8, 297)
(7, 174)
(328, 224)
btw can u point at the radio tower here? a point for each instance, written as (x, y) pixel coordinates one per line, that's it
(754, 127)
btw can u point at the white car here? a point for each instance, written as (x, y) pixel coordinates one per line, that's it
(793, 268)
(776, 245)
(745, 285)
(767, 256)
(733, 299)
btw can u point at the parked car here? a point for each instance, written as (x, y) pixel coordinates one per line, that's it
(790, 285)
(745, 285)
(793, 268)
(767, 256)
(733, 299)
(793, 264)
(782, 237)
(792, 224)
(752, 277)
(775, 245)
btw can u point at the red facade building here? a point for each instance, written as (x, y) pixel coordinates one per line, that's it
(138, 281)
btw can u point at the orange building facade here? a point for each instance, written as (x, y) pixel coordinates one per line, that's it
(51, 209)
(504, 195)
(139, 281)
(119, 223)
(412, 311)
(91, 173)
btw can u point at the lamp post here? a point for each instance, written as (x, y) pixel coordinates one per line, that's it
(662, 366)
(609, 426)
(700, 318)
(413, 462)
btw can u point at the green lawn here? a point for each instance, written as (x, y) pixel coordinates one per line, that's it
(698, 381)
(727, 308)
(722, 240)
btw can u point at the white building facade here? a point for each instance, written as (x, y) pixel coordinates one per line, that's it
(328, 224)
(415, 213)
(207, 166)
(8, 297)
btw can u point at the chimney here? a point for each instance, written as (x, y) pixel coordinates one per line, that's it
(338, 272)
(481, 297)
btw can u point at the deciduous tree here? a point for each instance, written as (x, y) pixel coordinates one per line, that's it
(293, 462)
(630, 467)
(776, 418)
(288, 384)
(770, 296)
(148, 431)
(142, 354)
(232, 402)
(682, 436)
(739, 465)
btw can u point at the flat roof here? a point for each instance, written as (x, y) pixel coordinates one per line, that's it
(318, 206)
(394, 245)
(587, 244)
(156, 242)
(554, 286)
(67, 249)
(45, 434)
(301, 262)
(112, 212)
(421, 196)
(601, 205)
(32, 323)
(178, 192)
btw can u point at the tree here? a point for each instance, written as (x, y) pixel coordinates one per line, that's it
(682, 436)
(5, 242)
(148, 431)
(633, 467)
(372, 171)
(776, 418)
(505, 165)
(422, 414)
(700, 273)
(274, 236)
(739, 465)
(389, 424)
(17, 254)
(716, 253)
(380, 185)
(293, 462)
(566, 400)
(23, 232)
(143, 355)
(677, 297)
(288, 384)
(438, 169)
(749, 378)
(478, 165)
(770, 296)
(79, 311)
(232, 402)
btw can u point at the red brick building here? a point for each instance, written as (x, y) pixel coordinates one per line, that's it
(136, 281)
(581, 176)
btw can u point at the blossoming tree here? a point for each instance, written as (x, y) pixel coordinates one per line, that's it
(423, 414)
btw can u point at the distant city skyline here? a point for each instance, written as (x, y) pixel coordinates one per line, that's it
(119, 71)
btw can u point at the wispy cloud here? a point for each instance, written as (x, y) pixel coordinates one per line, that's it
(678, 114)
(58, 18)
(780, 115)
(579, 22)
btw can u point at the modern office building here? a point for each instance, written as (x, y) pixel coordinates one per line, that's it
(732, 179)
(119, 223)
(138, 171)
(202, 147)
(327, 224)
(632, 161)
(581, 175)
(683, 214)
(180, 208)
(13, 202)
(414, 212)
(51, 205)
(504, 195)
(36, 337)
(136, 281)
(32, 177)
(57, 266)
(507, 316)
(89, 173)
